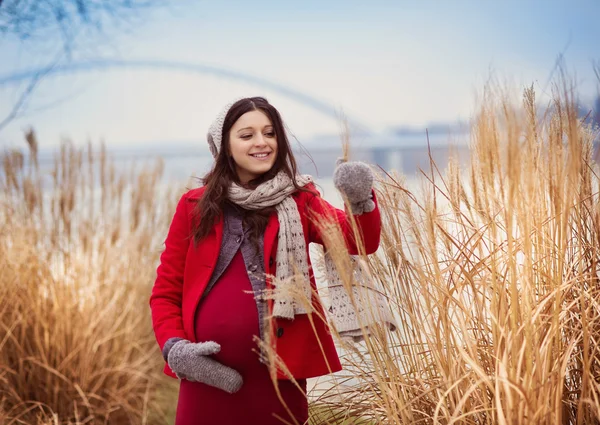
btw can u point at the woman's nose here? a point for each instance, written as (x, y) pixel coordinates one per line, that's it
(260, 140)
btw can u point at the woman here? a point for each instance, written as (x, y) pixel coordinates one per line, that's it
(253, 218)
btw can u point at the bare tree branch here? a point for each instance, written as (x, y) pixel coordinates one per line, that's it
(19, 106)
(61, 21)
(31, 20)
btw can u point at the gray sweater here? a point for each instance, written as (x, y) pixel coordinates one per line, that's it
(234, 238)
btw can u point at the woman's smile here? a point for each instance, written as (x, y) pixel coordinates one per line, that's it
(261, 156)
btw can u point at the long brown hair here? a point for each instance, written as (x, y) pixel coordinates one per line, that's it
(223, 173)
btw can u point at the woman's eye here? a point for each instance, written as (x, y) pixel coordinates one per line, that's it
(270, 134)
(246, 136)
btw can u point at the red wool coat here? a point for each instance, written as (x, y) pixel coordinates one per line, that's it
(185, 270)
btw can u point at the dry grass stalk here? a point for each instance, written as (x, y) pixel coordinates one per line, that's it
(493, 276)
(77, 260)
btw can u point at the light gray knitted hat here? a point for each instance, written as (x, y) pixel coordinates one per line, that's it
(215, 131)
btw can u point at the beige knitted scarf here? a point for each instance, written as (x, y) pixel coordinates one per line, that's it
(292, 263)
(292, 274)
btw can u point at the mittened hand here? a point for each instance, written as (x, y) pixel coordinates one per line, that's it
(354, 180)
(190, 361)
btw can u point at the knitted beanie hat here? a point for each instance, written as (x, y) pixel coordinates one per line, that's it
(215, 131)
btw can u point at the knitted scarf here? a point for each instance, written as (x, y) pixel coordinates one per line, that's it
(292, 274)
(291, 259)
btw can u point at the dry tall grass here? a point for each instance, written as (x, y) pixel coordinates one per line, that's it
(493, 274)
(78, 251)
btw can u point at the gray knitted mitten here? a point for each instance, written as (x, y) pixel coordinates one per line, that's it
(354, 179)
(189, 360)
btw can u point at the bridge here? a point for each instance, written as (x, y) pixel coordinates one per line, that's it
(406, 152)
(192, 68)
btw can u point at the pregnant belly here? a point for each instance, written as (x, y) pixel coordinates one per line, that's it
(229, 316)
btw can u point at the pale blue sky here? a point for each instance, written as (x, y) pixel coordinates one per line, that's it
(387, 63)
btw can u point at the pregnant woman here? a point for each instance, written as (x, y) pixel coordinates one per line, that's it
(253, 218)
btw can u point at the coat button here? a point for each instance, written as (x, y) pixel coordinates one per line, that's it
(279, 332)
(271, 262)
(239, 239)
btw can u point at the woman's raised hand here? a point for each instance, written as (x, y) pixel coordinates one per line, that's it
(354, 180)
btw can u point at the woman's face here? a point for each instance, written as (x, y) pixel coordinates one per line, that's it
(253, 145)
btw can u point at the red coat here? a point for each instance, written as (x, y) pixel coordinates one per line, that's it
(184, 272)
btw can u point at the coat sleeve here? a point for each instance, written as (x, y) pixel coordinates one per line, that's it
(166, 297)
(368, 224)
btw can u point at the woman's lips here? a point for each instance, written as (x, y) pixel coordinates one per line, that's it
(261, 158)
